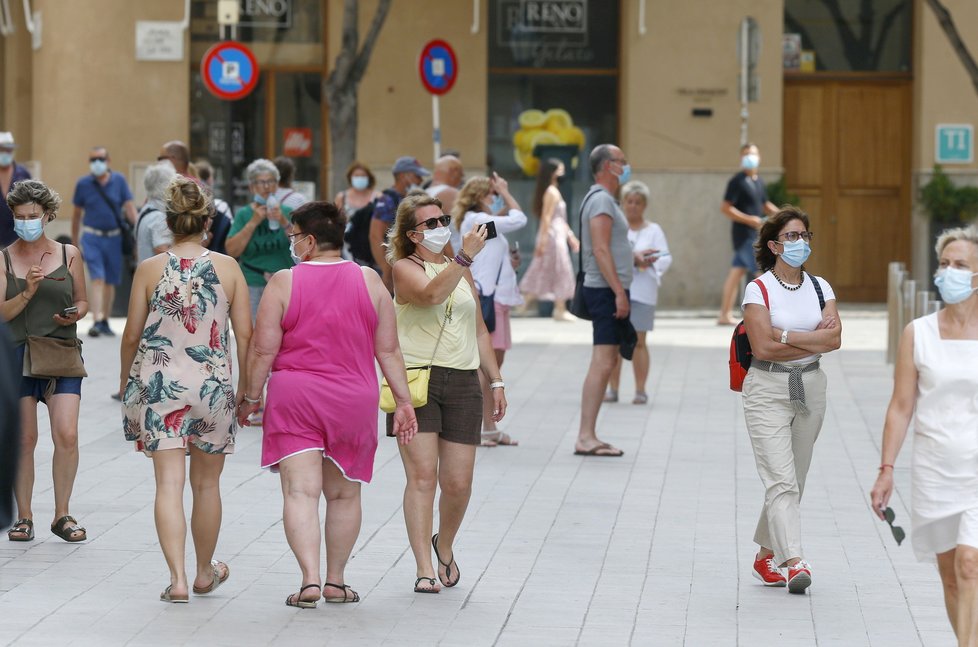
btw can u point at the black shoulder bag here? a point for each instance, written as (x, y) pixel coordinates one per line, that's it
(578, 307)
(125, 227)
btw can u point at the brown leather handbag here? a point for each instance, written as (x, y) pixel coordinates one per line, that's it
(54, 357)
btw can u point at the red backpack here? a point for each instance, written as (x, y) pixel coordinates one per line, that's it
(740, 353)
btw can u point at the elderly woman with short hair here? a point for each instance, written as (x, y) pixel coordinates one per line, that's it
(320, 327)
(43, 295)
(258, 235)
(152, 235)
(439, 324)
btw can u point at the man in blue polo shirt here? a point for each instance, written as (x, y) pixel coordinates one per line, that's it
(10, 174)
(101, 198)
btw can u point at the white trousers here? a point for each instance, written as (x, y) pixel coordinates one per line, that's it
(783, 441)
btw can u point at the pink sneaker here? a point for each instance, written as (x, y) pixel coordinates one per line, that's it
(768, 573)
(799, 577)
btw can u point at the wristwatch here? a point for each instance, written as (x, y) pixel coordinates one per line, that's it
(784, 336)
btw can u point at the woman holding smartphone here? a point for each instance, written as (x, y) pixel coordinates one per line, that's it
(43, 288)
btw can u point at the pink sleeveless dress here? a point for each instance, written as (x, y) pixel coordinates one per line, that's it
(550, 277)
(323, 392)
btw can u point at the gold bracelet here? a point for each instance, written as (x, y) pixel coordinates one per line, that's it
(26, 298)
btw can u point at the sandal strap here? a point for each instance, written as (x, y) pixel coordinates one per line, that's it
(309, 586)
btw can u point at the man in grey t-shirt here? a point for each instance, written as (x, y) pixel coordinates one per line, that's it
(607, 258)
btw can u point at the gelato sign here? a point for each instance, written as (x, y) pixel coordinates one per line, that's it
(554, 33)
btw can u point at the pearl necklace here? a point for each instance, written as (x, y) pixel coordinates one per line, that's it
(785, 285)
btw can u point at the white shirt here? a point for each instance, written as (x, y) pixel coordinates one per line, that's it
(289, 197)
(791, 309)
(493, 260)
(646, 281)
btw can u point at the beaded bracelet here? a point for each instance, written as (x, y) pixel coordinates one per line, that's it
(885, 465)
(249, 400)
(497, 385)
(461, 261)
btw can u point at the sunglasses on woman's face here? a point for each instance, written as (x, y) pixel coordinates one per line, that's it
(898, 532)
(431, 223)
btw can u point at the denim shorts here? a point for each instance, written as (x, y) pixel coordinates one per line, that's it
(744, 254)
(33, 387)
(103, 256)
(601, 305)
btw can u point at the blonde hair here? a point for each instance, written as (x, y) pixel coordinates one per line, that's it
(469, 198)
(28, 191)
(187, 207)
(398, 244)
(948, 236)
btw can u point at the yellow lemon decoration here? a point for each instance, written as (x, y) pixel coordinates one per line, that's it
(555, 126)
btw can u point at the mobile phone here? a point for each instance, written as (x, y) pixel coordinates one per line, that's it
(490, 230)
(70, 310)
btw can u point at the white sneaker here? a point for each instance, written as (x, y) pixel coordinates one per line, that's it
(799, 577)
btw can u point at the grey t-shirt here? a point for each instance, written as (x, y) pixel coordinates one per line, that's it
(152, 231)
(602, 202)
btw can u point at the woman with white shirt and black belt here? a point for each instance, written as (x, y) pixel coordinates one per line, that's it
(483, 200)
(791, 319)
(650, 260)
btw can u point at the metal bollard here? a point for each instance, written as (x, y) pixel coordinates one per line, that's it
(909, 304)
(934, 305)
(895, 276)
(923, 302)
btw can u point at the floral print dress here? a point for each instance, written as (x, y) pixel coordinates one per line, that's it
(179, 389)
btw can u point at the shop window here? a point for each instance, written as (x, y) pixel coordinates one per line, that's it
(847, 36)
(280, 32)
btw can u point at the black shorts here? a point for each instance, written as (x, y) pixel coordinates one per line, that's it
(601, 306)
(454, 409)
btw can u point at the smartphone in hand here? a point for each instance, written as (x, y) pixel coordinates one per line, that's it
(70, 310)
(490, 230)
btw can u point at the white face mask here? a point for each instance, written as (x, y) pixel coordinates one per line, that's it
(436, 239)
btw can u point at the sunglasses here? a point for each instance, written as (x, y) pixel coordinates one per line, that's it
(431, 223)
(51, 278)
(98, 159)
(898, 532)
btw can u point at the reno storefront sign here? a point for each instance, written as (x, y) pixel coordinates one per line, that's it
(554, 33)
(266, 13)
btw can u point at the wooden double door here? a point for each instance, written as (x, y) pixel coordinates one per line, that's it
(847, 147)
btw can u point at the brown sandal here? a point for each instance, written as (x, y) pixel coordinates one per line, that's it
(352, 597)
(24, 528)
(65, 531)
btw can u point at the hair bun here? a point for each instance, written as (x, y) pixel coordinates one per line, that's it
(187, 207)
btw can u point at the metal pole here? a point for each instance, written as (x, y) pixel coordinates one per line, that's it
(894, 279)
(909, 290)
(228, 160)
(436, 122)
(744, 70)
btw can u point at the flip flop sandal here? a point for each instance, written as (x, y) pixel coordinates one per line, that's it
(216, 581)
(595, 451)
(166, 596)
(295, 600)
(353, 597)
(640, 398)
(448, 567)
(65, 531)
(26, 532)
(610, 396)
(431, 581)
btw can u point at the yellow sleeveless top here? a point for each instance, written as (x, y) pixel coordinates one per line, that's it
(418, 328)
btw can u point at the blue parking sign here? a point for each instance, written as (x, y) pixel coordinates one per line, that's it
(955, 144)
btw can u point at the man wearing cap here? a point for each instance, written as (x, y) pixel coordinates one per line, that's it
(10, 173)
(102, 198)
(408, 174)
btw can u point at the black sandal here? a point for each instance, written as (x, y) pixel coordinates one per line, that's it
(295, 600)
(355, 597)
(448, 567)
(63, 530)
(26, 532)
(431, 581)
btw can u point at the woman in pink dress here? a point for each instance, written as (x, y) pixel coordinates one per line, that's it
(320, 326)
(550, 276)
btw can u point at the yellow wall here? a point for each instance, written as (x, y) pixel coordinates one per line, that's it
(395, 109)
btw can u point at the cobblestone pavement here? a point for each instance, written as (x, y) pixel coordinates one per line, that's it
(650, 549)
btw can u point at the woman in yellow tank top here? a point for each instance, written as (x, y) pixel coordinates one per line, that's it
(440, 324)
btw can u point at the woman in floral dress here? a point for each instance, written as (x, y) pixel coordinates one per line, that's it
(176, 387)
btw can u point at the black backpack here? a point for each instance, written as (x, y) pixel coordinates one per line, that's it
(357, 234)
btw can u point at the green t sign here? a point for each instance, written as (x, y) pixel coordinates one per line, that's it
(955, 144)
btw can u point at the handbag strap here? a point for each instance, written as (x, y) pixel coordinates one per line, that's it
(580, 250)
(448, 315)
(108, 201)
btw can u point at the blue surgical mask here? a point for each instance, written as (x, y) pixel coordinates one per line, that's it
(795, 254)
(6, 159)
(98, 168)
(497, 204)
(954, 284)
(750, 162)
(360, 182)
(258, 199)
(29, 230)
(626, 173)
(295, 257)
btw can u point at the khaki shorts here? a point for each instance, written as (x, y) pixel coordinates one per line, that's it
(454, 409)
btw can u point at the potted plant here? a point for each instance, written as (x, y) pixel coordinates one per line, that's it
(947, 206)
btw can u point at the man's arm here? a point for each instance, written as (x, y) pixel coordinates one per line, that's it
(76, 220)
(130, 210)
(600, 229)
(735, 214)
(770, 208)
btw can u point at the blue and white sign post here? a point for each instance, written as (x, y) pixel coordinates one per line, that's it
(438, 68)
(954, 144)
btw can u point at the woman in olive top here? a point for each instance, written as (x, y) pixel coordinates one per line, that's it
(43, 289)
(258, 235)
(439, 324)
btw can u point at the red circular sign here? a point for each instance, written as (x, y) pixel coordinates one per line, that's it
(229, 70)
(438, 67)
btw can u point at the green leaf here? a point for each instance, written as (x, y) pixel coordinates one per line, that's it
(200, 354)
(155, 388)
(153, 421)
